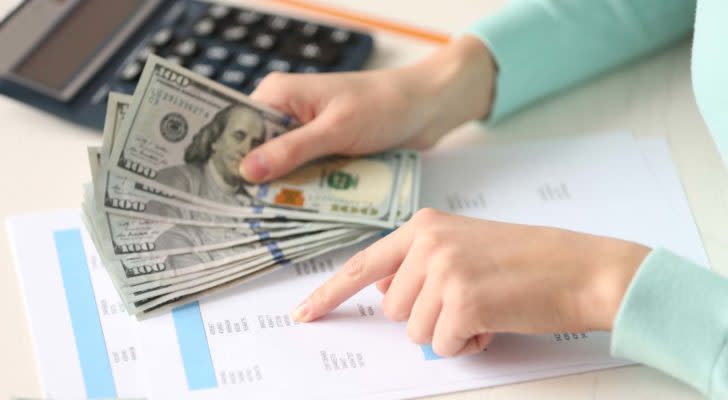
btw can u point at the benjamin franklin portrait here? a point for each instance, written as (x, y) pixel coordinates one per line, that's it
(211, 171)
(212, 160)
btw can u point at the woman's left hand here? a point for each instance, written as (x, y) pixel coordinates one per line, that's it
(459, 280)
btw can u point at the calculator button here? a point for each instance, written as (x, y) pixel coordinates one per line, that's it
(175, 59)
(235, 33)
(249, 17)
(248, 60)
(308, 69)
(218, 12)
(233, 78)
(131, 71)
(217, 53)
(206, 70)
(162, 37)
(309, 30)
(280, 65)
(186, 48)
(278, 23)
(310, 51)
(143, 53)
(340, 36)
(264, 41)
(204, 27)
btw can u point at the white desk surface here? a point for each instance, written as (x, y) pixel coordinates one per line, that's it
(43, 164)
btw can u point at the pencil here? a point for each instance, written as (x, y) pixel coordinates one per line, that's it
(368, 21)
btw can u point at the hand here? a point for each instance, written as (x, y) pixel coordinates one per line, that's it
(364, 112)
(459, 280)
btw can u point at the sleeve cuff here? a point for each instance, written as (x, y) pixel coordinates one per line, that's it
(674, 317)
(503, 34)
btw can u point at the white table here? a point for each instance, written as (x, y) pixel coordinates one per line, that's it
(43, 165)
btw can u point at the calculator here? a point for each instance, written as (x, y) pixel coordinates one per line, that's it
(65, 56)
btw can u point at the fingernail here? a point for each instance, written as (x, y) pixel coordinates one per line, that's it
(301, 313)
(254, 167)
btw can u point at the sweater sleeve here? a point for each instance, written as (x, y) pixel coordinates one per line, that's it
(674, 317)
(544, 46)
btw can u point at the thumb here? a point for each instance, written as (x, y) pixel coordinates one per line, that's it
(283, 154)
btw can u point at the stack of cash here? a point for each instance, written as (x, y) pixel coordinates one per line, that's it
(173, 220)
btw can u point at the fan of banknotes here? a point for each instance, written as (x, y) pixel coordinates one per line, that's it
(173, 220)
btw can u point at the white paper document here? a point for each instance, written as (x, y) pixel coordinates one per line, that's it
(84, 339)
(242, 343)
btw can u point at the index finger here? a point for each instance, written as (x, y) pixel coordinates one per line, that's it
(378, 261)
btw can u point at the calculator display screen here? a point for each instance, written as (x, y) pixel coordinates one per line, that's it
(75, 41)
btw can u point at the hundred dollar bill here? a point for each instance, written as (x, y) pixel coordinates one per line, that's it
(134, 270)
(130, 235)
(119, 195)
(141, 292)
(179, 297)
(116, 108)
(283, 256)
(123, 236)
(409, 195)
(185, 135)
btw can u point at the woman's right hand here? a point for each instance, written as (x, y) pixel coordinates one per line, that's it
(364, 112)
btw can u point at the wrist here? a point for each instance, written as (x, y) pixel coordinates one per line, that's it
(452, 86)
(610, 281)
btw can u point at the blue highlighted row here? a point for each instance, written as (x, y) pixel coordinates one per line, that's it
(429, 353)
(193, 347)
(90, 343)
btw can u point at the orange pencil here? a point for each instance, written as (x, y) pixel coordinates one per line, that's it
(368, 21)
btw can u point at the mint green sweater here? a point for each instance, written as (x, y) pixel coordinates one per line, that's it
(674, 316)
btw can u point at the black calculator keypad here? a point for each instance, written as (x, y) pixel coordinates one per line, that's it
(239, 47)
(236, 46)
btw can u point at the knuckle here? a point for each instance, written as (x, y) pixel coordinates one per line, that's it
(446, 254)
(463, 301)
(432, 240)
(427, 216)
(461, 298)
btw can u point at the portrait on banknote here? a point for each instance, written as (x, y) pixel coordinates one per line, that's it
(212, 159)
